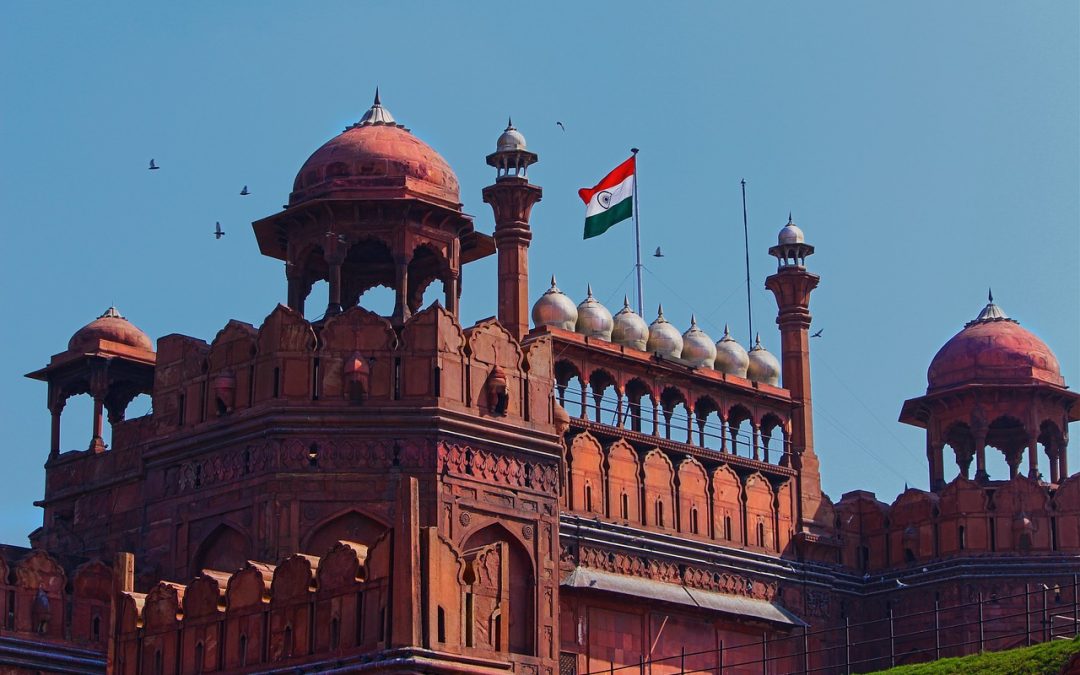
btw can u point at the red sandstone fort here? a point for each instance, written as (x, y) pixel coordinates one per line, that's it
(591, 494)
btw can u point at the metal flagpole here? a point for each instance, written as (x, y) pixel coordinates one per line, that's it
(746, 246)
(637, 243)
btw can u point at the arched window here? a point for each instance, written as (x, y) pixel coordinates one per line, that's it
(625, 506)
(660, 512)
(243, 649)
(761, 534)
(727, 527)
(588, 497)
(693, 520)
(961, 537)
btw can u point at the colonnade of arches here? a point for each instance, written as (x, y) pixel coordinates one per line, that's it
(647, 488)
(670, 414)
(1009, 436)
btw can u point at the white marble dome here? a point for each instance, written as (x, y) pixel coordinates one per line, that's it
(593, 319)
(664, 337)
(731, 357)
(763, 366)
(555, 308)
(698, 347)
(629, 330)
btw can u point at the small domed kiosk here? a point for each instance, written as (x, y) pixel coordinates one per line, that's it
(995, 384)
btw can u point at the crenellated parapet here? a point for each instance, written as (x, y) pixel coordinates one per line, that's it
(1014, 518)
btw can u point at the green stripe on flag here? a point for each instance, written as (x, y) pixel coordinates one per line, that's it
(599, 224)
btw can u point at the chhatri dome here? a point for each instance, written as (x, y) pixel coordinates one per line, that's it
(993, 349)
(630, 330)
(111, 327)
(763, 366)
(731, 358)
(698, 347)
(555, 308)
(593, 319)
(664, 337)
(376, 156)
(511, 139)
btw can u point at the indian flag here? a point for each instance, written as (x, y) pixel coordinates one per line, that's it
(609, 201)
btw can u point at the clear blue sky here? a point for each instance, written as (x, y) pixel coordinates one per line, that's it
(928, 149)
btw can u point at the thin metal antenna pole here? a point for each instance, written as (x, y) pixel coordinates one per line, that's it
(746, 246)
(637, 243)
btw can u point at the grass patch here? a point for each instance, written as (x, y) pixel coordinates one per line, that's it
(1044, 659)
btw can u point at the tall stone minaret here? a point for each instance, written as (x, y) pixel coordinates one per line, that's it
(512, 198)
(792, 286)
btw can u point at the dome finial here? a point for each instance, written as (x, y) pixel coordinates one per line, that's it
(990, 294)
(553, 281)
(693, 320)
(376, 114)
(509, 123)
(790, 221)
(626, 302)
(588, 291)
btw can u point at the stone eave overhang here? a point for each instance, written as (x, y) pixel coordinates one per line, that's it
(914, 410)
(105, 349)
(474, 245)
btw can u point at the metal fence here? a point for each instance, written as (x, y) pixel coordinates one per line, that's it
(956, 630)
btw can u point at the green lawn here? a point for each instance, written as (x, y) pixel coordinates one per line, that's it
(1045, 659)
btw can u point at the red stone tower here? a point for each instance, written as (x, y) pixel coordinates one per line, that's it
(792, 285)
(512, 198)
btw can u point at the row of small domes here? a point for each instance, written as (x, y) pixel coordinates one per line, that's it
(626, 328)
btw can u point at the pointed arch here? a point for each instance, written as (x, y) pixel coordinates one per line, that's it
(350, 524)
(519, 617)
(226, 549)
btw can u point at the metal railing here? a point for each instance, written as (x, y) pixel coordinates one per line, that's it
(675, 425)
(881, 637)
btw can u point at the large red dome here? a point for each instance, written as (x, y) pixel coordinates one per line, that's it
(376, 155)
(112, 327)
(993, 349)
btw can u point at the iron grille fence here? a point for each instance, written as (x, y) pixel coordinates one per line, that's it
(957, 630)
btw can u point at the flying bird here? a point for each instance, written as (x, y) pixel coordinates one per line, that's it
(245, 192)
(218, 232)
(153, 167)
(817, 334)
(560, 125)
(659, 253)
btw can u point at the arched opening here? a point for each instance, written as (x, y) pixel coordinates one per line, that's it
(960, 439)
(369, 264)
(521, 610)
(226, 549)
(426, 266)
(351, 526)
(1008, 435)
(569, 389)
(676, 418)
(605, 402)
(1052, 444)
(378, 300)
(317, 299)
(76, 424)
(770, 424)
(639, 407)
(709, 430)
(741, 441)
